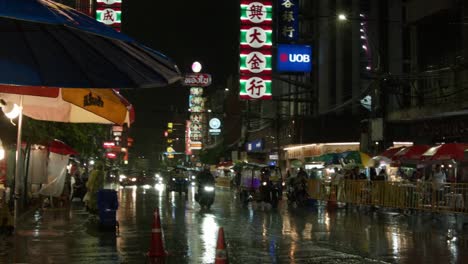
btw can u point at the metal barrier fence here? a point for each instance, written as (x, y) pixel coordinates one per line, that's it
(450, 197)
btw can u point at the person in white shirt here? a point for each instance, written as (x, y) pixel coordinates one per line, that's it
(438, 180)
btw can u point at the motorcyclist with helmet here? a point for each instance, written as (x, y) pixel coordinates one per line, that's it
(205, 191)
(298, 187)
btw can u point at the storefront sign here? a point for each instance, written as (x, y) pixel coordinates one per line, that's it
(294, 58)
(108, 144)
(215, 126)
(109, 2)
(197, 79)
(274, 157)
(255, 88)
(256, 145)
(109, 16)
(288, 20)
(256, 49)
(109, 12)
(188, 150)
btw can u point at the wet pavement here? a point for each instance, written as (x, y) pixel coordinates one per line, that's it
(254, 234)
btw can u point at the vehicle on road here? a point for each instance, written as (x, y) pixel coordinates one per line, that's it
(178, 181)
(272, 185)
(205, 195)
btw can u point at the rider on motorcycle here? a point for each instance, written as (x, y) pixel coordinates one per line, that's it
(205, 179)
(298, 186)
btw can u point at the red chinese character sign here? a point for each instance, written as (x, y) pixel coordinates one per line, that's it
(109, 12)
(256, 49)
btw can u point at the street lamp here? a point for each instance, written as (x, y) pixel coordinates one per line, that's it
(342, 17)
(12, 111)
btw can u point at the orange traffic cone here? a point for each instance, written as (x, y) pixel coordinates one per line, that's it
(221, 253)
(157, 246)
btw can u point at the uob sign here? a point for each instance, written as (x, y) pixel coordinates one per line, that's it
(299, 58)
(294, 58)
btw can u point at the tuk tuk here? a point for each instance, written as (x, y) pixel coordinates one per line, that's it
(250, 182)
(178, 181)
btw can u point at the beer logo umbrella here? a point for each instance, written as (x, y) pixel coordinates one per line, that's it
(101, 106)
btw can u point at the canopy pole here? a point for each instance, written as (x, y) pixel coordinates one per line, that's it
(19, 195)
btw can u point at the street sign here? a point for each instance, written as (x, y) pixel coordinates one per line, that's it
(215, 126)
(254, 146)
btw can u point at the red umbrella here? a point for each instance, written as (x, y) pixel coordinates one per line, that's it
(455, 151)
(59, 147)
(410, 153)
(390, 152)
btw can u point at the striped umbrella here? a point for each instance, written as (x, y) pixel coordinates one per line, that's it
(101, 106)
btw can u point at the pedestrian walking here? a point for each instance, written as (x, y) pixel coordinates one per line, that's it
(94, 184)
(438, 179)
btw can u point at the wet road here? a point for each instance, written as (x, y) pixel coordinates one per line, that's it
(255, 234)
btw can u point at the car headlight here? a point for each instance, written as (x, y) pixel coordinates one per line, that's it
(186, 179)
(193, 183)
(264, 183)
(173, 179)
(193, 177)
(209, 188)
(134, 179)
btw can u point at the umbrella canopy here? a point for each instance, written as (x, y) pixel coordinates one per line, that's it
(455, 151)
(356, 157)
(296, 164)
(390, 152)
(329, 158)
(49, 44)
(102, 106)
(410, 153)
(59, 147)
(387, 155)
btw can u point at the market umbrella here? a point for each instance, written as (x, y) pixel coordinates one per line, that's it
(44, 43)
(410, 153)
(296, 164)
(356, 157)
(387, 155)
(450, 151)
(102, 106)
(59, 147)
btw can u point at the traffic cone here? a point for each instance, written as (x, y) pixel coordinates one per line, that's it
(157, 245)
(221, 253)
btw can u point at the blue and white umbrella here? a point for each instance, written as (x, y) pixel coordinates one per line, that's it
(43, 43)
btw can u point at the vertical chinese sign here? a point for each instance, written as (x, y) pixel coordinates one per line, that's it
(109, 12)
(197, 108)
(256, 49)
(188, 149)
(288, 21)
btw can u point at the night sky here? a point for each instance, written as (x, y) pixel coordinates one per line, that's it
(185, 31)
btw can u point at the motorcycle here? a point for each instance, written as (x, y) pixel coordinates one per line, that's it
(297, 194)
(205, 195)
(271, 192)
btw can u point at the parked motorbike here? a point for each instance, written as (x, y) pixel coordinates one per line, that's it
(205, 195)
